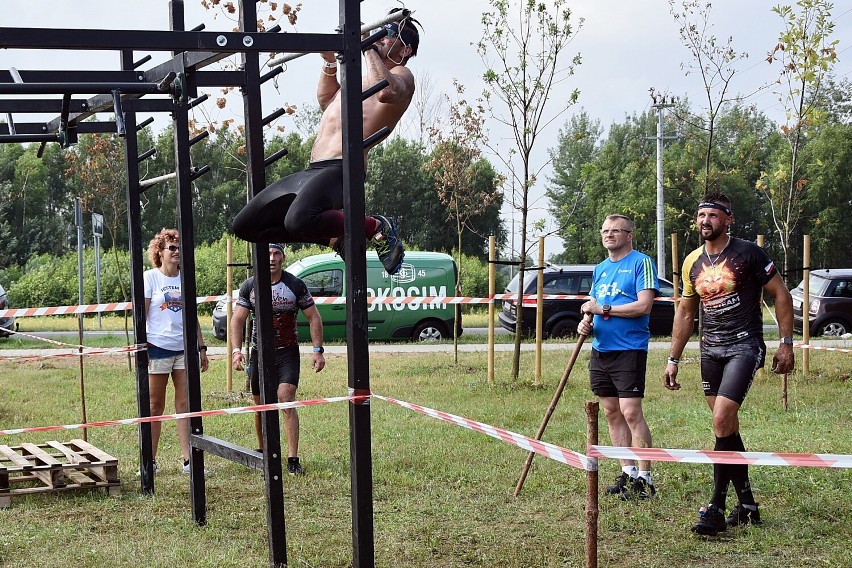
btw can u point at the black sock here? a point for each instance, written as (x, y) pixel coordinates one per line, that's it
(739, 474)
(721, 473)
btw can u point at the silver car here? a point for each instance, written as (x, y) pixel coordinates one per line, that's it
(5, 322)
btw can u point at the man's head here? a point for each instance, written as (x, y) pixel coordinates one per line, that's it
(402, 40)
(617, 235)
(714, 216)
(276, 258)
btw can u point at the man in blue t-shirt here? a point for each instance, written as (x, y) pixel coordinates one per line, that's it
(623, 291)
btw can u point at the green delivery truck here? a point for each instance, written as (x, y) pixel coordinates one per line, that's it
(423, 274)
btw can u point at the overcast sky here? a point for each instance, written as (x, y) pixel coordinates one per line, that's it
(626, 46)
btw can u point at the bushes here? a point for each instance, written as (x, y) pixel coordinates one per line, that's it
(47, 280)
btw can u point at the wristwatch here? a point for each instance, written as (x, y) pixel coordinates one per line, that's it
(787, 340)
(319, 349)
(606, 308)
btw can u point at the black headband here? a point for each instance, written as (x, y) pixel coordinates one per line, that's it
(711, 205)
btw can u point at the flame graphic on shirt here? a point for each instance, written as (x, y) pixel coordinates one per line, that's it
(715, 281)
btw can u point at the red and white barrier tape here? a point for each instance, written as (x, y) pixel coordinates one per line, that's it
(707, 456)
(79, 353)
(121, 306)
(81, 309)
(545, 449)
(167, 417)
(821, 348)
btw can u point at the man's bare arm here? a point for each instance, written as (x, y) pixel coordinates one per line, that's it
(328, 84)
(400, 79)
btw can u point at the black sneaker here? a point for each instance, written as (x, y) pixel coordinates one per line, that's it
(740, 515)
(338, 248)
(642, 489)
(389, 247)
(623, 486)
(711, 521)
(294, 467)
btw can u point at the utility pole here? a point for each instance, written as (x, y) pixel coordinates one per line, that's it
(661, 102)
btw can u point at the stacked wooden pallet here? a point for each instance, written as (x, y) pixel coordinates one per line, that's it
(55, 466)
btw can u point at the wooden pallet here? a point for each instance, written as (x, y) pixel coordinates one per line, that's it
(55, 466)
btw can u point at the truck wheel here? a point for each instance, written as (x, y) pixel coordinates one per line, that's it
(429, 331)
(566, 327)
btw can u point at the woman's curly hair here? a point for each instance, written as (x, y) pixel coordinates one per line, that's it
(158, 243)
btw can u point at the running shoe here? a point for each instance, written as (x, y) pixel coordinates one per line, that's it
(622, 486)
(642, 489)
(294, 467)
(338, 248)
(711, 521)
(741, 515)
(387, 244)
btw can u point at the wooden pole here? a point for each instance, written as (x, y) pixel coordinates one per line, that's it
(592, 411)
(806, 305)
(229, 310)
(556, 396)
(761, 372)
(675, 270)
(492, 289)
(539, 312)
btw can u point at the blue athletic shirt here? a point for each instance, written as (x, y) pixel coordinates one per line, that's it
(618, 283)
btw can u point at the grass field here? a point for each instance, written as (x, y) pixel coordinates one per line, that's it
(442, 494)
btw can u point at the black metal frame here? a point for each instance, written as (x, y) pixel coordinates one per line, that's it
(172, 87)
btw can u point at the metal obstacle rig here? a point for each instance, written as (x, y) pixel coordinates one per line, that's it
(172, 87)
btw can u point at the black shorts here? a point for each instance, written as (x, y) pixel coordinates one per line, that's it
(728, 370)
(618, 373)
(286, 368)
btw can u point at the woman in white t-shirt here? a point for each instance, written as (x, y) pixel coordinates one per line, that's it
(164, 325)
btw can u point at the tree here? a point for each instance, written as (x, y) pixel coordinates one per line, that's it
(715, 62)
(521, 53)
(806, 54)
(453, 165)
(577, 146)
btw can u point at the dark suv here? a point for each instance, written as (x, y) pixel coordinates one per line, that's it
(830, 310)
(562, 316)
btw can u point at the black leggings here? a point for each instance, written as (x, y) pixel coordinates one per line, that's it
(303, 207)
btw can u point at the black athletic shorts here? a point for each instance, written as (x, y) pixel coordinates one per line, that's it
(728, 370)
(618, 373)
(286, 368)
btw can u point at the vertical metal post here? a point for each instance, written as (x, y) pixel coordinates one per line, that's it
(272, 458)
(180, 125)
(358, 356)
(78, 214)
(137, 290)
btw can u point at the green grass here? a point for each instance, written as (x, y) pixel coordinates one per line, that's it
(442, 494)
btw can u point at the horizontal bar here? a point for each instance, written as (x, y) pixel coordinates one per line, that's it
(374, 89)
(72, 76)
(198, 172)
(275, 157)
(70, 88)
(145, 155)
(22, 138)
(291, 53)
(159, 40)
(376, 137)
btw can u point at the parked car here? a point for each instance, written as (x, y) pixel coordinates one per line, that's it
(830, 309)
(562, 316)
(422, 274)
(5, 323)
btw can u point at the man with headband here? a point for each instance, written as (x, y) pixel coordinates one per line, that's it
(308, 206)
(727, 276)
(289, 295)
